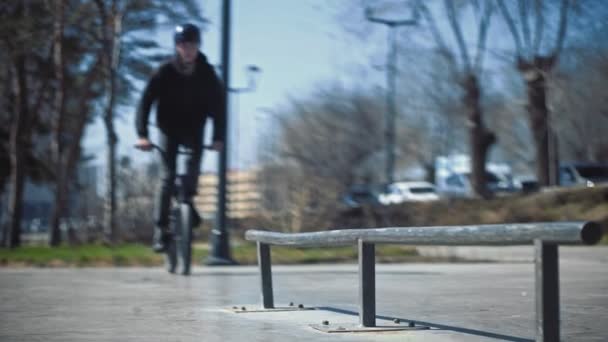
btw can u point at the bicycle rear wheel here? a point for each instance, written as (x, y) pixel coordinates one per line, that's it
(184, 243)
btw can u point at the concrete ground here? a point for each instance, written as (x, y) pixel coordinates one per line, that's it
(461, 302)
(511, 253)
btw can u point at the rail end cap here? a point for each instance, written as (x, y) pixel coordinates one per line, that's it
(591, 233)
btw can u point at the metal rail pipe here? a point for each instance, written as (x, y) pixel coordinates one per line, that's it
(546, 237)
(563, 233)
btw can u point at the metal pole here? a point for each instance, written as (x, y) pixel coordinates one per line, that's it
(391, 74)
(264, 263)
(553, 152)
(547, 291)
(367, 284)
(391, 61)
(220, 248)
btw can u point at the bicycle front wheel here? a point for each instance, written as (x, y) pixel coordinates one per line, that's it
(184, 253)
(172, 245)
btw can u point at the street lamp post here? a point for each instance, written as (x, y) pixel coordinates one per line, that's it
(391, 73)
(220, 248)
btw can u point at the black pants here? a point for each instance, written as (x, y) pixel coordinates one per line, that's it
(170, 146)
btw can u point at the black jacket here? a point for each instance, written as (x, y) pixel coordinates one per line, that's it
(183, 101)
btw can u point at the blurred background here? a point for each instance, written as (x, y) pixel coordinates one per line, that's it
(342, 114)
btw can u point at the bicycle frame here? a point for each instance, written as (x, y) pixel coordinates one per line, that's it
(184, 218)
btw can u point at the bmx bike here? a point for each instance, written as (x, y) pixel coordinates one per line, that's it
(182, 219)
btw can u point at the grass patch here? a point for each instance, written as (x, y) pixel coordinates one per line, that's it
(80, 256)
(565, 204)
(139, 255)
(246, 254)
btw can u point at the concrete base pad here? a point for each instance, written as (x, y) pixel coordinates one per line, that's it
(350, 327)
(257, 308)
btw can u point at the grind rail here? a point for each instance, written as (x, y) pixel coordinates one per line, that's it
(546, 237)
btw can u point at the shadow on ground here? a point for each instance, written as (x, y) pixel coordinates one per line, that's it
(436, 326)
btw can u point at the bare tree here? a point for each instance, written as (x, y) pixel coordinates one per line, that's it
(68, 123)
(467, 67)
(37, 99)
(328, 142)
(27, 83)
(509, 121)
(18, 132)
(118, 20)
(534, 64)
(135, 193)
(432, 121)
(45, 85)
(579, 105)
(59, 109)
(111, 31)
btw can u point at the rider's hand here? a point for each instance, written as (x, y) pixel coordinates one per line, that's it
(143, 144)
(217, 146)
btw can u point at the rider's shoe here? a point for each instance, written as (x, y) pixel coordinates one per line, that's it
(160, 240)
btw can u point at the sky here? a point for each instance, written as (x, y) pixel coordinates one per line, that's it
(298, 44)
(295, 44)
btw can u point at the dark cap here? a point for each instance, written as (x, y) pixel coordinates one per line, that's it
(187, 33)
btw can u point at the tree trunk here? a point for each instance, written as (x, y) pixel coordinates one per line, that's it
(113, 31)
(57, 126)
(110, 200)
(534, 75)
(67, 153)
(17, 138)
(429, 172)
(66, 170)
(3, 208)
(58, 211)
(3, 229)
(481, 139)
(15, 209)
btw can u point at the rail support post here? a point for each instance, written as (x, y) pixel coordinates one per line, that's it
(265, 275)
(367, 284)
(547, 291)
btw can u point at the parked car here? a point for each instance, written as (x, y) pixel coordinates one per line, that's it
(359, 195)
(453, 176)
(400, 192)
(459, 184)
(587, 174)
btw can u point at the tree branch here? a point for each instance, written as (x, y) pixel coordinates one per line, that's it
(525, 26)
(451, 11)
(484, 25)
(443, 48)
(563, 26)
(540, 23)
(477, 9)
(511, 24)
